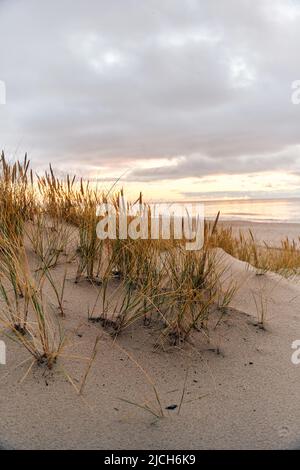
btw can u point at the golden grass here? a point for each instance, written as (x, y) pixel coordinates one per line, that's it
(149, 280)
(284, 259)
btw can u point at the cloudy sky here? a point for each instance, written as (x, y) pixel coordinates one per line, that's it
(184, 99)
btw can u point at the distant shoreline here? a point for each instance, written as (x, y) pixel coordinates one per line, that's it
(250, 222)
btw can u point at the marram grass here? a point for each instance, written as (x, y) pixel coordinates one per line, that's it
(138, 281)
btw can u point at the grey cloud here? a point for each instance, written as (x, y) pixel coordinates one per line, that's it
(199, 166)
(113, 83)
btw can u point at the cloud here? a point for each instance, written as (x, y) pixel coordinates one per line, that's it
(206, 85)
(200, 165)
(219, 195)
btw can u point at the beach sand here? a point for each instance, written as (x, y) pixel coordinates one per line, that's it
(242, 390)
(271, 233)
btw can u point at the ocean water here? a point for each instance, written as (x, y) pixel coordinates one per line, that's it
(256, 210)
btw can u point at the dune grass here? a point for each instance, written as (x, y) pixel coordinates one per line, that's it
(23, 309)
(137, 280)
(283, 259)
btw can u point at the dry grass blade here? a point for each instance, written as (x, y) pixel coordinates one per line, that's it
(93, 356)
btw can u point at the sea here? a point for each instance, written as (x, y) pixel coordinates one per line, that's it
(255, 210)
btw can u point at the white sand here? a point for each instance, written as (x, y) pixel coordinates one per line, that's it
(252, 388)
(272, 233)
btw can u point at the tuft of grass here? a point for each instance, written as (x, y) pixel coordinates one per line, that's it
(284, 259)
(261, 305)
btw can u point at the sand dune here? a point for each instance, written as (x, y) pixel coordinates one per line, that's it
(242, 389)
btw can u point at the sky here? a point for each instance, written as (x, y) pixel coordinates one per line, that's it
(179, 99)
